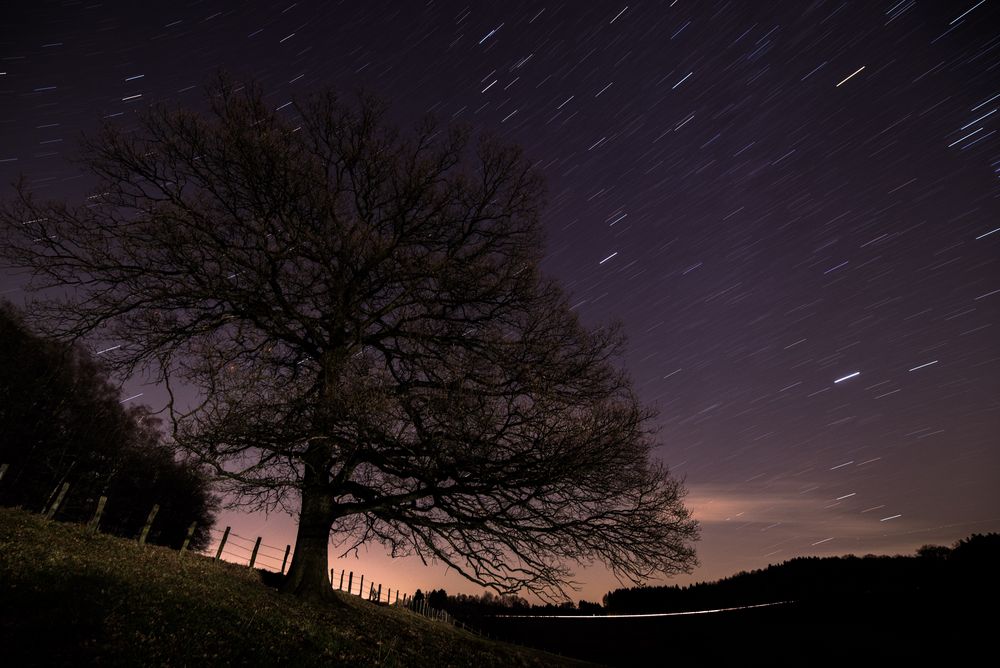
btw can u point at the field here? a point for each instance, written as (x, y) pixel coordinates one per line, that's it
(72, 597)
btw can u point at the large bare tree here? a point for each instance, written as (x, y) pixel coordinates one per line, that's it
(363, 315)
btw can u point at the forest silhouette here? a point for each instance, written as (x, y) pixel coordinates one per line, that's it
(903, 609)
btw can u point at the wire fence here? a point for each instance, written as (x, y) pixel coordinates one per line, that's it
(254, 553)
(250, 551)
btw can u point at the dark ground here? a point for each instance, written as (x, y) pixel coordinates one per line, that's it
(71, 597)
(870, 633)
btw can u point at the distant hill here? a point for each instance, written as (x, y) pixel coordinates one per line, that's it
(72, 597)
(936, 576)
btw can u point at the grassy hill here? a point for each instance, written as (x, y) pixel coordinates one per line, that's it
(72, 597)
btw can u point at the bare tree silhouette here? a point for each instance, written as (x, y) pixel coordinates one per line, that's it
(363, 314)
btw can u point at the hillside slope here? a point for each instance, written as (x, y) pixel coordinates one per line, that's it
(72, 597)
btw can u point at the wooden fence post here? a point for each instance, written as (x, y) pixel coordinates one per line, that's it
(187, 538)
(350, 581)
(149, 523)
(331, 577)
(48, 501)
(96, 519)
(51, 512)
(222, 544)
(378, 596)
(253, 555)
(397, 597)
(288, 548)
(388, 595)
(341, 587)
(361, 587)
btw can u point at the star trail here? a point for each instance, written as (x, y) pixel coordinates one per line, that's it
(792, 208)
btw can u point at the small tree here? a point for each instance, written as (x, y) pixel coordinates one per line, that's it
(364, 316)
(438, 598)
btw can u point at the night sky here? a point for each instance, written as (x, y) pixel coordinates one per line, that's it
(795, 213)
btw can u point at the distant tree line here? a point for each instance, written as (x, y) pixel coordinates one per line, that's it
(470, 607)
(934, 575)
(61, 421)
(937, 573)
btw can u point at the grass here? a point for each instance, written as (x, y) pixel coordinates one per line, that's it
(72, 597)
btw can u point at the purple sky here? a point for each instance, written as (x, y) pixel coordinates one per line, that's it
(771, 201)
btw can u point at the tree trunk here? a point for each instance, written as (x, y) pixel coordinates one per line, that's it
(308, 576)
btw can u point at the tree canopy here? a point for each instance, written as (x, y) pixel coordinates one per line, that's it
(62, 421)
(362, 312)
